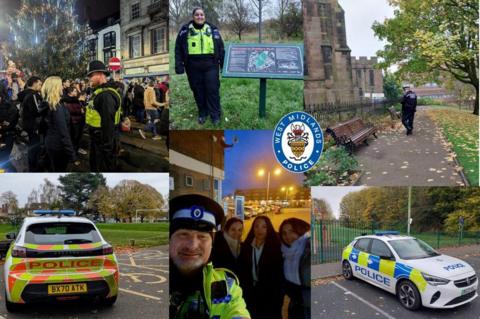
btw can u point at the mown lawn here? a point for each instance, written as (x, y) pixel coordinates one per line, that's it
(461, 130)
(120, 235)
(239, 99)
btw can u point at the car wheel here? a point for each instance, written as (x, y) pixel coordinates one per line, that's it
(347, 270)
(11, 306)
(108, 302)
(408, 295)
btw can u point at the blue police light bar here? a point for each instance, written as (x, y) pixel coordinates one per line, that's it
(66, 212)
(387, 232)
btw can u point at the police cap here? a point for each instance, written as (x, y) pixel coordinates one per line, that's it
(194, 212)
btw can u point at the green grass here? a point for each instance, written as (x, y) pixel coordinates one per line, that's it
(461, 130)
(120, 235)
(145, 235)
(239, 99)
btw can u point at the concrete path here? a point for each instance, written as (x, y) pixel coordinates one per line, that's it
(421, 159)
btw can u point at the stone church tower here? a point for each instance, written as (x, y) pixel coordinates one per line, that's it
(328, 76)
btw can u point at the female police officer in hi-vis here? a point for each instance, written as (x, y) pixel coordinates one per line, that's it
(199, 51)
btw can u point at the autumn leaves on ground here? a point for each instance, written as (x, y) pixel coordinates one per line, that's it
(461, 130)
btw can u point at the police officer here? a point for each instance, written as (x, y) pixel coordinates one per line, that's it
(103, 118)
(197, 289)
(199, 50)
(409, 107)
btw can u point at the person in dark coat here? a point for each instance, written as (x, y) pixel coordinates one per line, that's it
(227, 244)
(199, 50)
(103, 119)
(409, 107)
(294, 234)
(261, 274)
(57, 139)
(77, 116)
(8, 121)
(138, 106)
(31, 117)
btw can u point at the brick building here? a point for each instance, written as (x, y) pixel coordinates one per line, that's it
(367, 78)
(197, 163)
(144, 29)
(332, 75)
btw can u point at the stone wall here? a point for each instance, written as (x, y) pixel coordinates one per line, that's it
(366, 77)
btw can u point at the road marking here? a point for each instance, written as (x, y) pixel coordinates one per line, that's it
(132, 261)
(364, 301)
(144, 267)
(135, 278)
(138, 294)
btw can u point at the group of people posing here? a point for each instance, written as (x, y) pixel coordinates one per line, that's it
(42, 121)
(218, 274)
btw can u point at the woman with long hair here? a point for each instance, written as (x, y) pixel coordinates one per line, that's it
(261, 274)
(57, 139)
(226, 246)
(294, 234)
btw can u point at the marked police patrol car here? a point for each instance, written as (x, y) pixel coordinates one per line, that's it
(57, 256)
(411, 269)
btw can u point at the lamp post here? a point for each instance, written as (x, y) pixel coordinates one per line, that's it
(261, 172)
(286, 189)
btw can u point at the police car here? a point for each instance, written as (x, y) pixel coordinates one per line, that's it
(58, 256)
(411, 269)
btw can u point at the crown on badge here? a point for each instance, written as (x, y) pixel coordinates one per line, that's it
(298, 129)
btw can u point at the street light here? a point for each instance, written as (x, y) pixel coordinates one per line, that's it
(286, 189)
(261, 172)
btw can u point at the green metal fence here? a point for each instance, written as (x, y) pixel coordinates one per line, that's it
(329, 237)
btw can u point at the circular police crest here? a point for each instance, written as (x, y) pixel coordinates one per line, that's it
(298, 142)
(196, 212)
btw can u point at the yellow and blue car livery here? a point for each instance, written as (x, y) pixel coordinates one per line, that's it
(59, 257)
(396, 263)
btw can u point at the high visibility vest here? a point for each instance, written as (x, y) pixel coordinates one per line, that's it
(227, 306)
(92, 117)
(200, 41)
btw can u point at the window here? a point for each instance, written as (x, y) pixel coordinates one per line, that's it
(379, 248)
(107, 55)
(158, 40)
(372, 78)
(206, 184)
(362, 244)
(109, 40)
(134, 43)
(61, 233)
(327, 60)
(189, 180)
(92, 49)
(135, 13)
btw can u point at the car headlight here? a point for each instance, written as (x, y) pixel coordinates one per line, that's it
(435, 281)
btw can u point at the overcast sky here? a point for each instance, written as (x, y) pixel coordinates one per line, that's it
(23, 184)
(333, 195)
(359, 18)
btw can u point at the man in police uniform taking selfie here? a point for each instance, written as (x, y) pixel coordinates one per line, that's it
(197, 289)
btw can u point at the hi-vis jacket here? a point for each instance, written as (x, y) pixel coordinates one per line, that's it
(92, 116)
(191, 41)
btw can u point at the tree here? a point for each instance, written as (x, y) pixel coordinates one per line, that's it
(9, 202)
(76, 188)
(101, 204)
(260, 7)
(322, 209)
(392, 87)
(48, 196)
(427, 37)
(238, 14)
(47, 39)
(131, 196)
(290, 18)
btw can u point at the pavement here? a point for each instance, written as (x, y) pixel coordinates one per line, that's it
(421, 159)
(334, 297)
(143, 292)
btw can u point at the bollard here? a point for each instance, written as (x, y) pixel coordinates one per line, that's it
(132, 242)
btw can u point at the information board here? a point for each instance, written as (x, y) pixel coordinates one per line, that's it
(269, 61)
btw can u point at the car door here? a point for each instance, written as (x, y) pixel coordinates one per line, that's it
(359, 257)
(381, 265)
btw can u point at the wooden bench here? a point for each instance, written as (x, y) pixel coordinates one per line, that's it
(351, 133)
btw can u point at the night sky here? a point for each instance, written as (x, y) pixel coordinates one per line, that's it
(252, 152)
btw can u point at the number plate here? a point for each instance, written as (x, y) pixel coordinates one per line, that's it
(468, 290)
(67, 289)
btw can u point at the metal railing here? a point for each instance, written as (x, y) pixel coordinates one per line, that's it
(329, 237)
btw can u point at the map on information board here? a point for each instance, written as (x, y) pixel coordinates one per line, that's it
(280, 61)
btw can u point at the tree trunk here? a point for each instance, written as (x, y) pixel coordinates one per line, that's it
(475, 107)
